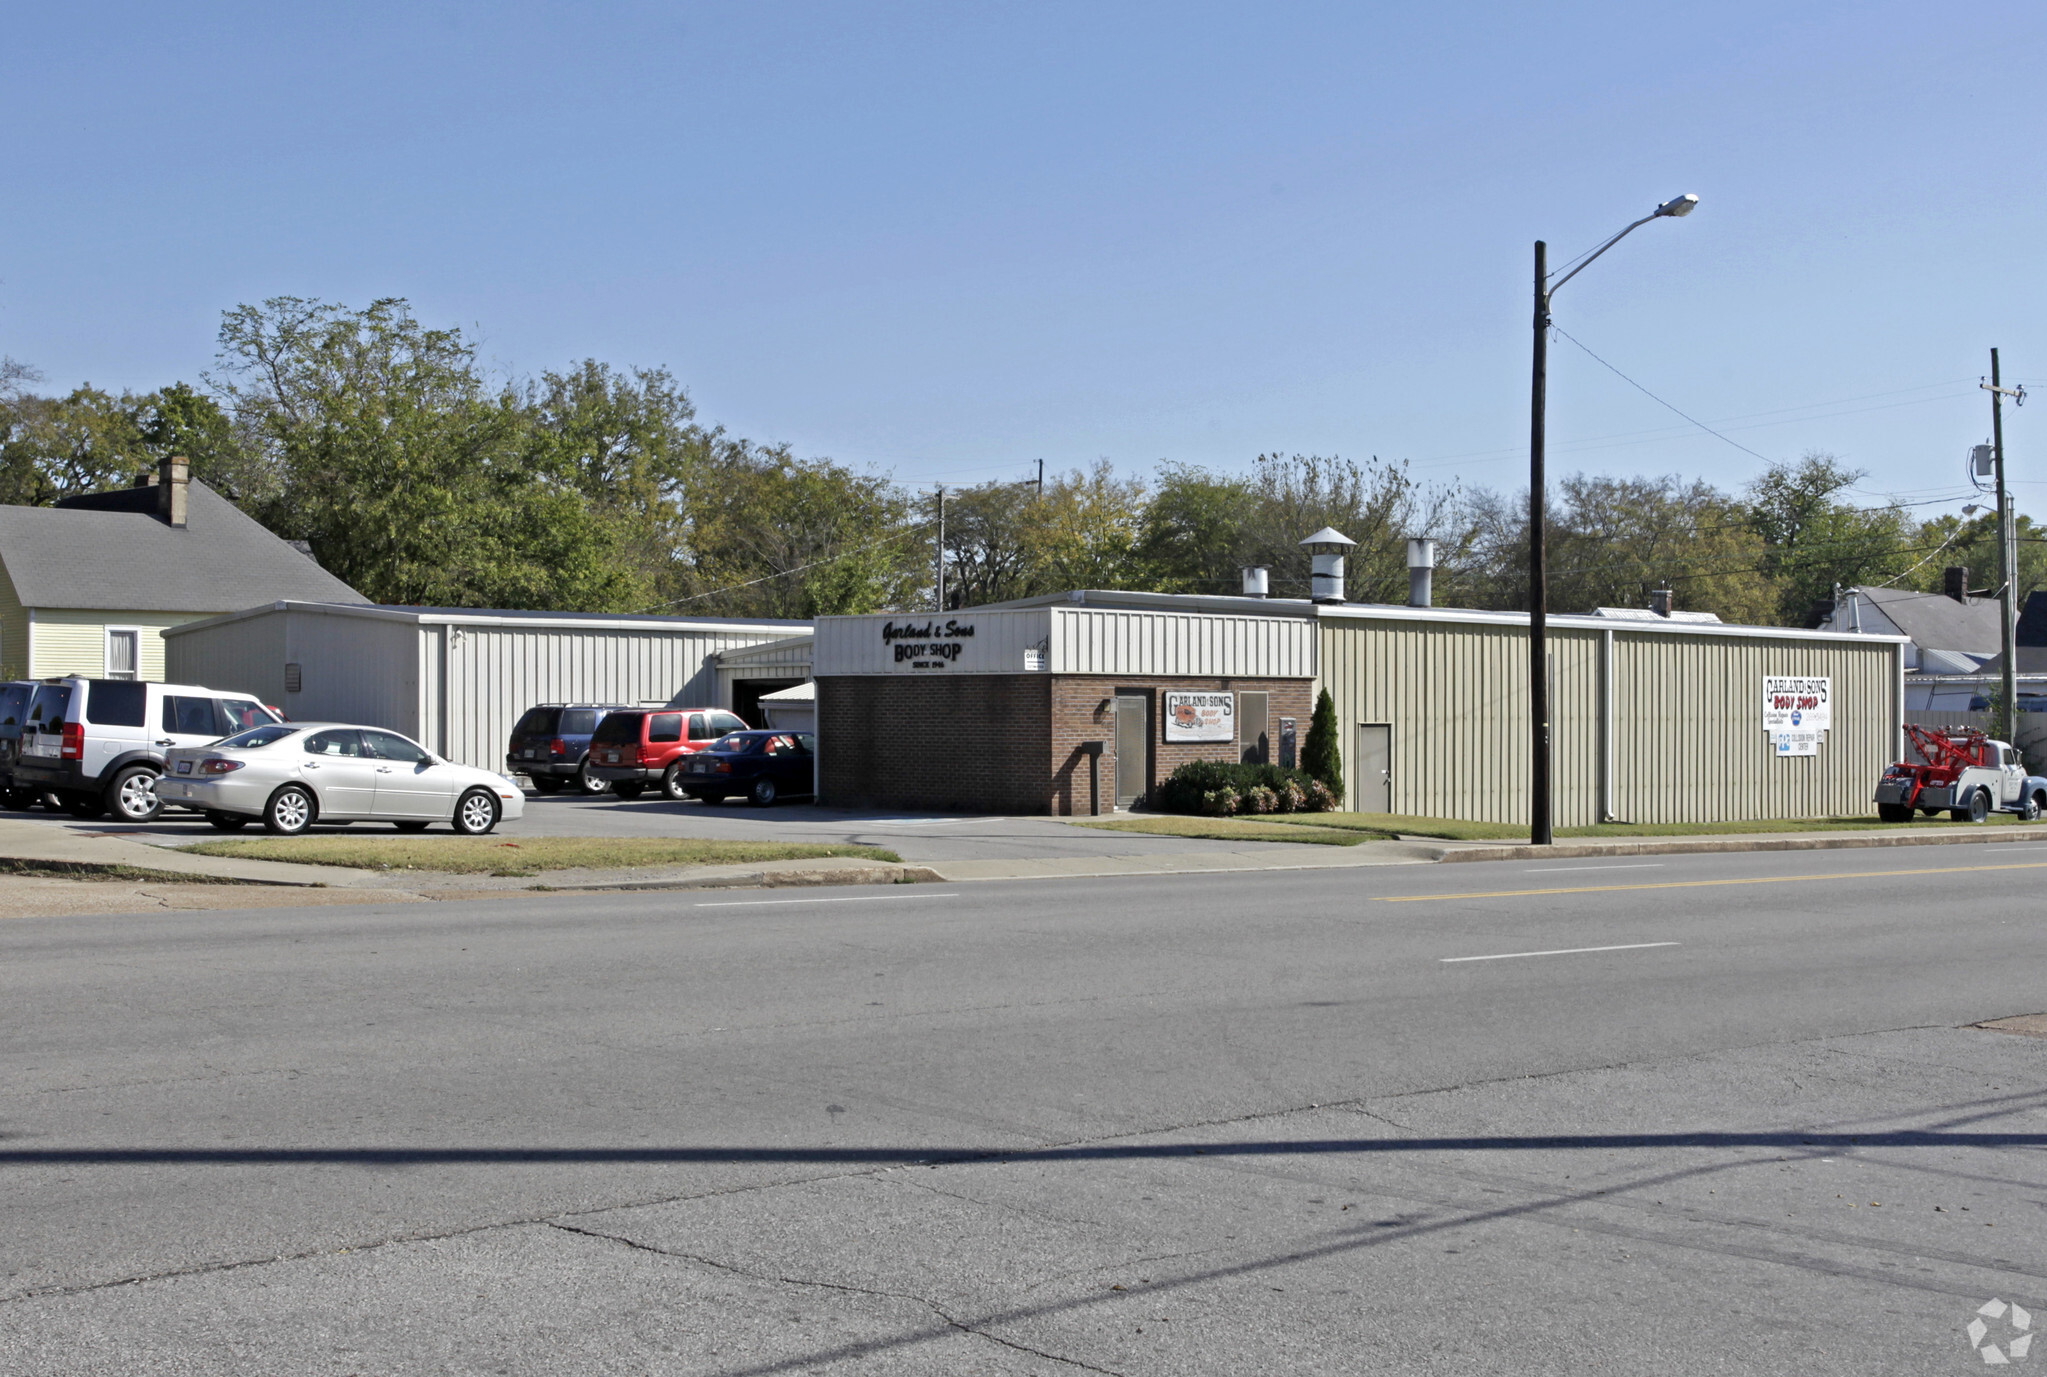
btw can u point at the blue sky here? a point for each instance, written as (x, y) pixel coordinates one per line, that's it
(949, 240)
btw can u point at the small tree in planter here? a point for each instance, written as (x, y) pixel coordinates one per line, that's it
(1321, 756)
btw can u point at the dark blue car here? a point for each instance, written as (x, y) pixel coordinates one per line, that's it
(765, 766)
(551, 746)
(13, 711)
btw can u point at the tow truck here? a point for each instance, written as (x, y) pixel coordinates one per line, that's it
(1962, 772)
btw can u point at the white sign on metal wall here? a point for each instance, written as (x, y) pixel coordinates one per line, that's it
(1201, 717)
(1797, 712)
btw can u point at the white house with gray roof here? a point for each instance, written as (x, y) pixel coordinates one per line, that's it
(90, 585)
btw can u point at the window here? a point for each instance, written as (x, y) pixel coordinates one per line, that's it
(244, 713)
(578, 721)
(261, 736)
(183, 716)
(726, 722)
(666, 726)
(13, 704)
(619, 729)
(700, 727)
(116, 704)
(781, 745)
(807, 742)
(342, 741)
(391, 746)
(48, 707)
(537, 722)
(124, 653)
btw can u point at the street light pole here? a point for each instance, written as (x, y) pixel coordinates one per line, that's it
(1540, 831)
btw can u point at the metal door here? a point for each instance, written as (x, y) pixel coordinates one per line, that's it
(1133, 747)
(1254, 736)
(1375, 768)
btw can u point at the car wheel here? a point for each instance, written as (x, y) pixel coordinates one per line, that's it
(545, 784)
(131, 795)
(226, 822)
(1978, 809)
(763, 793)
(671, 784)
(476, 813)
(2031, 809)
(628, 789)
(291, 810)
(80, 805)
(410, 826)
(585, 784)
(1894, 812)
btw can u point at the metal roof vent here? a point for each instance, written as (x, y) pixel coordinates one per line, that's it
(1256, 584)
(1327, 546)
(1421, 572)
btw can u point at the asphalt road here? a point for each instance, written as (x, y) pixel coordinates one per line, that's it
(1684, 1114)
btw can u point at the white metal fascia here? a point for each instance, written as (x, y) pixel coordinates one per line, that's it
(522, 621)
(1574, 622)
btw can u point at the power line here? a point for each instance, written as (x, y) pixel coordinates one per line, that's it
(1658, 400)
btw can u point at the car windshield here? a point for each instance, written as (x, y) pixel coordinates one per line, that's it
(739, 743)
(261, 736)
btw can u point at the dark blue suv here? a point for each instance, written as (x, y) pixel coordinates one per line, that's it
(13, 710)
(551, 746)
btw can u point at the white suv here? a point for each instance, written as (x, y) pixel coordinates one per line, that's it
(99, 744)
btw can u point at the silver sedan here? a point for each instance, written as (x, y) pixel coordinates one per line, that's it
(294, 774)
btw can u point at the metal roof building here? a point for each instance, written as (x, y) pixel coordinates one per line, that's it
(457, 679)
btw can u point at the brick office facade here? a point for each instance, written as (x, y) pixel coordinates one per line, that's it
(1008, 743)
(987, 709)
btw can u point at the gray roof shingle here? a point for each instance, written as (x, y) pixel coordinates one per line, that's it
(133, 561)
(1935, 621)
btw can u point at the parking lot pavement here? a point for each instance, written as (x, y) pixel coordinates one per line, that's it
(917, 837)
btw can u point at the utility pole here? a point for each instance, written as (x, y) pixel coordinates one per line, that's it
(941, 548)
(2007, 553)
(1539, 831)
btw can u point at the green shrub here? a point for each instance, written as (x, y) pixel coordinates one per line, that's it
(1195, 789)
(1321, 755)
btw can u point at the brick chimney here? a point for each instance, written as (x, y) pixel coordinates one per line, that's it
(1955, 582)
(173, 490)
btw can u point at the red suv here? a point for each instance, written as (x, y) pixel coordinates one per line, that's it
(636, 748)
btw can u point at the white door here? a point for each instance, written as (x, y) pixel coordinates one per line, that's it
(1375, 768)
(342, 773)
(410, 783)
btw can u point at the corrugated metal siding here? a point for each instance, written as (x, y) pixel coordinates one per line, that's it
(75, 642)
(355, 669)
(793, 654)
(1088, 640)
(246, 656)
(1456, 697)
(1689, 729)
(495, 673)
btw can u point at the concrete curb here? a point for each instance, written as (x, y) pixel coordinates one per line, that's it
(867, 873)
(1679, 846)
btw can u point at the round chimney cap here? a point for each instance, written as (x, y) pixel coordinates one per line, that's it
(1328, 541)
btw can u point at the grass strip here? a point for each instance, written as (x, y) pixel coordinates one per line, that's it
(1450, 829)
(528, 856)
(1227, 829)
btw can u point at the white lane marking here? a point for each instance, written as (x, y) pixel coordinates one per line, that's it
(1561, 951)
(838, 899)
(1561, 869)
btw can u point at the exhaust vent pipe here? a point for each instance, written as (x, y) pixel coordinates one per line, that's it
(1255, 580)
(1328, 547)
(1421, 572)
(1659, 601)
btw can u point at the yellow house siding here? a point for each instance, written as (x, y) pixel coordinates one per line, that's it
(75, 642)
(13, 632)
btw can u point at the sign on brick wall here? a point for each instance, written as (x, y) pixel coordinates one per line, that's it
(1201, 716)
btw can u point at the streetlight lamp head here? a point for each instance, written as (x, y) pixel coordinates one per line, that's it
(1972, 509)
(1678, 206)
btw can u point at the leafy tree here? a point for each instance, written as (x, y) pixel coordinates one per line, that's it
(1007, 540)
(1321, 753)
(1814, 540)
(1972, 543)
(57, 447)
(379, 441)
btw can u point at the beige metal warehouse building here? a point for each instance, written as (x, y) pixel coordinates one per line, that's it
(1652, 720)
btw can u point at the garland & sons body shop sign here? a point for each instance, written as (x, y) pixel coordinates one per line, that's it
(930, 644)
(1797, 713)
(1201, 717)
